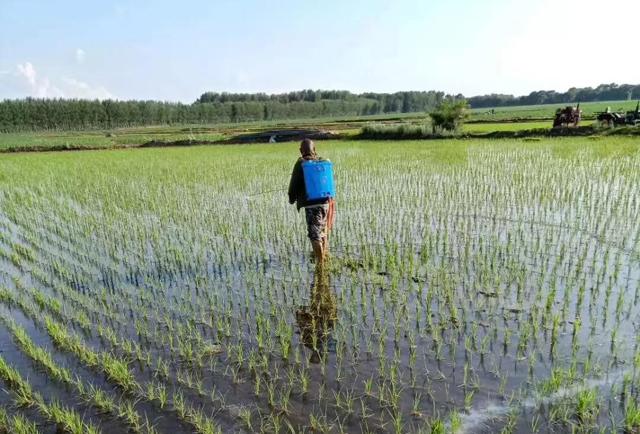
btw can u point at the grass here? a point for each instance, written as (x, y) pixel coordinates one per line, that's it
(96, 140)
(462, 273)
(478, 128)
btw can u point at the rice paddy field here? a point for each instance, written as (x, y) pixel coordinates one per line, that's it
(490, 127)
(474, 286)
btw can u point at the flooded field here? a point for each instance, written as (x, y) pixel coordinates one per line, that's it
(473, 287)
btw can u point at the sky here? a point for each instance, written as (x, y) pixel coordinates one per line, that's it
(176, 50)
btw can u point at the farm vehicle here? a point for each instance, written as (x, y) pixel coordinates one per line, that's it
(615, 119)
(567, 117)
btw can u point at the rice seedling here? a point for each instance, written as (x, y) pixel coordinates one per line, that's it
(632, 418)
(587, 406)
(462, 274)
(67, 420)
(16, 423)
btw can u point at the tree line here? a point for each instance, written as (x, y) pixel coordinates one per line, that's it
(32, 114)
(604, 92)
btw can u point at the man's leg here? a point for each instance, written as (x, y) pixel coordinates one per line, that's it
(318, 250)
(330, 216)
(315, 222)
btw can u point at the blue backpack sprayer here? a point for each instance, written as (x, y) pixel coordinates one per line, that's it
(319, 184)
(318, 179)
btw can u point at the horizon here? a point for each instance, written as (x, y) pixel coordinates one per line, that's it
(174, 53)
(321, 90)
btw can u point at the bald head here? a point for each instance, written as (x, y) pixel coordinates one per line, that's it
(307, 148)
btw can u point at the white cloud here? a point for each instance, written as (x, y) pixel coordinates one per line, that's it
(80, 55)
(39, 87)
(26, 78)
(79, 89)
(29, 73)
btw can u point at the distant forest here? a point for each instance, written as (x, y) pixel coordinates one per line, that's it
(32, 114)
(604, 92)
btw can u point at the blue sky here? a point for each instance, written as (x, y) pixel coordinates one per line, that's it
(175, 50)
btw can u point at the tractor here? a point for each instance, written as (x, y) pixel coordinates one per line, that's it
(633, 117)
(616, 119)
(611, 119)
(567, 117)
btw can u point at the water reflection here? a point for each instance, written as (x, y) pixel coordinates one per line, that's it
(317, 320)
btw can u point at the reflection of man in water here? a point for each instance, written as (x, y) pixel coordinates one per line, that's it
(317, 320)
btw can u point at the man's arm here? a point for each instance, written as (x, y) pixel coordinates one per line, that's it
(294, 182)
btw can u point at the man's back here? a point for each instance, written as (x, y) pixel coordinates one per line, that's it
(297, 187)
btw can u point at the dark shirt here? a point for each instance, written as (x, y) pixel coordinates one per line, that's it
(297, 189)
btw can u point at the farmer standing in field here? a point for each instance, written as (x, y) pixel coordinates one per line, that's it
(319, 212)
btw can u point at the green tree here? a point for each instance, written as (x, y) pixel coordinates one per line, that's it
(234, 113)
(449, 115)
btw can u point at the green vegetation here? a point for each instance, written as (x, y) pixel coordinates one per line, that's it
(218, 108)
(587, 407)
(16, 424)
(116, 370)
(449, 116)
(56, 114)
(472, 283)
(632, 418)
(89, 393)
(66, 419)
(93, 140)
(396, 132)
(521, 121)
(479, 128)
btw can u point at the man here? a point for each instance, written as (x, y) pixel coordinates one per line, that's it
(319, 213)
